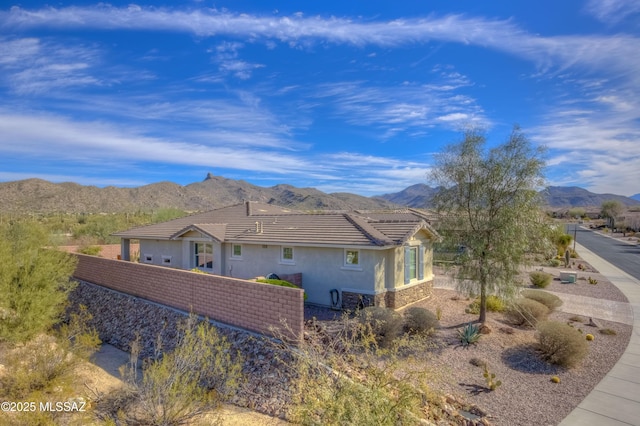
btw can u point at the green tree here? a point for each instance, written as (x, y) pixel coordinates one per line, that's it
(611, 209)
(576, 212)
(489, 204)
(34, 281)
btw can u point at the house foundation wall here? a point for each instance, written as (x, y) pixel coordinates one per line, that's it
(390, 299)
(257, 307)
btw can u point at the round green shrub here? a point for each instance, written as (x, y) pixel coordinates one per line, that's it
(554, 263)
(420, 321)
(385, 324)
(525, 311)
(561, 344)
(540, 279)
(549, 300)
(90, 250)
(281, 283)
(494, 304)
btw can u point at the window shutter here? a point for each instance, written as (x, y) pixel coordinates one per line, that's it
(421, 262)
(407, 262)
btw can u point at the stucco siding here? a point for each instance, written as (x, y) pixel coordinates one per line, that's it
(322, 269)
(161, 251)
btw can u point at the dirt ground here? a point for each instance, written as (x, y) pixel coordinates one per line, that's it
(103, 375)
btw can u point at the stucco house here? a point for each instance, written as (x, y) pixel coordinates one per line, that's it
(381, 258)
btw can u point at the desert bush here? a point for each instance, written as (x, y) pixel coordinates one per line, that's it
(90, 250)
(540, 279)
(494, 304)
(385, 324)
(554, 263)
(562, 241)
(525, 311)
(342, 381)
(281, 283)
(179, 386)
(561, 344)
(549, 300)
(420, 321)
(40, 363)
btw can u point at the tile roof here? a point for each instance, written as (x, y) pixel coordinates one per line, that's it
(253, 222)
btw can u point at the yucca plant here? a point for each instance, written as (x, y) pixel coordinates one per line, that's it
(469, 334)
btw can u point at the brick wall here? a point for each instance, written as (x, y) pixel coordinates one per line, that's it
(253, 306)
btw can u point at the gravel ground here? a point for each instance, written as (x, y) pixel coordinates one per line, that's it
(526, 396)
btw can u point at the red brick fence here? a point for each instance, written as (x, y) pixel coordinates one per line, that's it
(253, 306)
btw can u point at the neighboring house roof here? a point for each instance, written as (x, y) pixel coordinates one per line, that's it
(253, 222)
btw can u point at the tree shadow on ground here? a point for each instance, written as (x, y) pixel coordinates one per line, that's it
(475, 389)
(526, 359)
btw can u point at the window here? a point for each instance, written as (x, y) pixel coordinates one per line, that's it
(203, 255)
(287, 255)
(413, 263)
(148, 258)
(352, 258)
(166, 260)
(236, 251)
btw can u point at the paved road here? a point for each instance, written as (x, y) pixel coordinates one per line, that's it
(624, 256)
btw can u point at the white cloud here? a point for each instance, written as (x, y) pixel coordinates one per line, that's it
(612, 11)
(33, 66)
(504, 35)
(398, 109)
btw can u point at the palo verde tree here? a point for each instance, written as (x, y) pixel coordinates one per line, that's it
(611, 209)
(34, 281)
(489, 204)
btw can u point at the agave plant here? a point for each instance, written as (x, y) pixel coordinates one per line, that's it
(469, 334)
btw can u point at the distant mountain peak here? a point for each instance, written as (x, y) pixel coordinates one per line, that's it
(209, 176)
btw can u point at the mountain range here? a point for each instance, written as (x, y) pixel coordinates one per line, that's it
(40, 196)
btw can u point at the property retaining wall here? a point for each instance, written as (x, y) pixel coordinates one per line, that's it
(253, 306)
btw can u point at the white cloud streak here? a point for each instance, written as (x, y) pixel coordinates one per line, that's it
(612, 11)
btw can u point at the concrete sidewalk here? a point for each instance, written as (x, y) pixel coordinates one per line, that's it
(609, 310)
(615, 401)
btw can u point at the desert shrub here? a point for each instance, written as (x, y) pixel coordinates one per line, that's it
(342, 381)
(494, 304)
(90, 250)
(179, 386)
(525, 311)
(554, 263)
(385, 324)
(540, 279)
(281, 283)
(420, 321)
(561, 344)
(549, 300)
(34, 366)
(45, 360)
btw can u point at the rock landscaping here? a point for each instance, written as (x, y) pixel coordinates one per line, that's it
(531, 390)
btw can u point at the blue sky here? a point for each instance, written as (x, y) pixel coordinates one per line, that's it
(348, 96)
